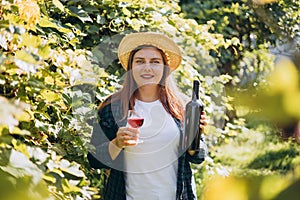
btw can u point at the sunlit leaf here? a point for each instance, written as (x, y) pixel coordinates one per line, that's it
(71, 168)
(30, 40)
(18, 131)
(62, 105)
(24, 67)
(50, 95)
(25, 116)
(291, 104)
(25, 56)
(44, 52)
(3, 42)
(59, 5)
(126, 11)
(9, 110)
(285, 77)
(67, 187)
(49, 80)
(278, 184)
(37, 154)
(49, 178)
(20, 166)
(74, 41)
(228, 189)
(45, 22)
(60, 83)
(20, 147)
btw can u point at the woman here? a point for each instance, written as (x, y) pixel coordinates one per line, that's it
(158, 168)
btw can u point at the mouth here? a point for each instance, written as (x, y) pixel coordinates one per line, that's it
(147, 76)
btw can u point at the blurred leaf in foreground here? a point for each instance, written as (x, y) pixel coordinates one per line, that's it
(253, 187)
(277, 102)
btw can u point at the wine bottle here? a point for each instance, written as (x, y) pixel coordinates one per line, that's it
(192, 131)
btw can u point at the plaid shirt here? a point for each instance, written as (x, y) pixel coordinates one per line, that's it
(109, 122)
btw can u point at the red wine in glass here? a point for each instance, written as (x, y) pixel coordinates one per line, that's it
(136, 122)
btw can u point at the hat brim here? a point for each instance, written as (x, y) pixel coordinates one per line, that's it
(134, 40)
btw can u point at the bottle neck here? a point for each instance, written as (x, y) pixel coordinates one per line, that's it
(195, 91)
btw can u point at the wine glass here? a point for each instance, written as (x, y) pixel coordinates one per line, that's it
(134, 120)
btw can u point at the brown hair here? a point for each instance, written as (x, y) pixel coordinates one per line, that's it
(168, 92)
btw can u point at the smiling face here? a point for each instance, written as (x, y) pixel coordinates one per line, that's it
(147, 66)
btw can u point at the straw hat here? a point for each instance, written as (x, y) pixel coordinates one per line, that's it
(134, 40)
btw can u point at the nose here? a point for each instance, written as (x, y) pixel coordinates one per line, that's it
(147, 65)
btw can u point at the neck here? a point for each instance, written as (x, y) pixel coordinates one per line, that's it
(148, 93)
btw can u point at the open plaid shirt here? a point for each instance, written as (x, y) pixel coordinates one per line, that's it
(106, 130)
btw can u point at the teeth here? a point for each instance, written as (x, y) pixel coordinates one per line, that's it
(147, 76)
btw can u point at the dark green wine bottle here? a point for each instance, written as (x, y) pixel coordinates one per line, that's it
(193, 110)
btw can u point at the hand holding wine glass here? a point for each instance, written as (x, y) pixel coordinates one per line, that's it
(134, 120)
(128, 135)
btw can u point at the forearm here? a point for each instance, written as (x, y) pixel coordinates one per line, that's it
(113, 149)
(104, 153)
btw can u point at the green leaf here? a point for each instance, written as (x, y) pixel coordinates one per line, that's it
(3, 42)
(59, 5)
(71, 168)
(30, 41)
(49, 178)
(44, 52)
(25, 56)
(20, 166)
(37, 154)
(80, 14)
(67, 187)
(49, 95)
(126, 11)
(45, 22)
(74, 41)
(18, 131)
(20, 147)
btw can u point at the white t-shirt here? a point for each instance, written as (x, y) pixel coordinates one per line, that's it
(151, 167)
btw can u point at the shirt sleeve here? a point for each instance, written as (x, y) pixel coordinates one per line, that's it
(200, 155)
(104, 131)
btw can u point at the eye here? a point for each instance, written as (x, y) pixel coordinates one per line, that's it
(156, 61)
(139, 61)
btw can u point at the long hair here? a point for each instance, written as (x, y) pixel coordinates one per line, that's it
(169, 94)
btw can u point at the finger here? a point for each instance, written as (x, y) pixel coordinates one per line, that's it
(127, 131)
(123, 142)
(130, 142)
(124, 136)
(202, 127)
(203, 122)
(129, 134)
(133, 130)
(129, 137)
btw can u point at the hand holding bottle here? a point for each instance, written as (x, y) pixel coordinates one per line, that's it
(203, 121)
